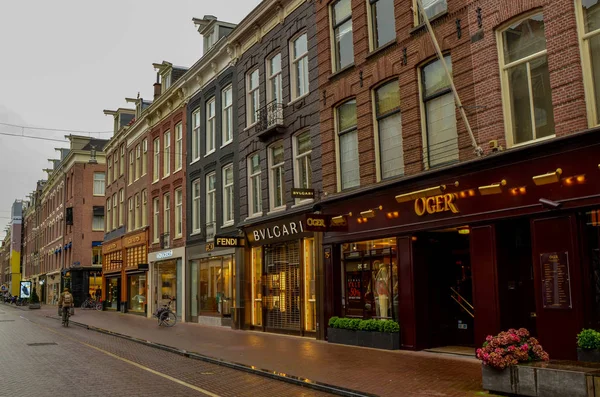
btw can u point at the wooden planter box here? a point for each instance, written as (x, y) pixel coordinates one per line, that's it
(377, 340)
(591, 356)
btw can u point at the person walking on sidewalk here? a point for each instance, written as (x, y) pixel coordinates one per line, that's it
(65, 302)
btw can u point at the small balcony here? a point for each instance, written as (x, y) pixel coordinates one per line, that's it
(211, 229)
(269, 120)
(165, 241)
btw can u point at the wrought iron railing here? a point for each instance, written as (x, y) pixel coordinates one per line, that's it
(269, 116)
(165, 240)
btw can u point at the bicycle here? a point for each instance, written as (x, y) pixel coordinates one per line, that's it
(165, 315)
(66, 313)
(91, 304)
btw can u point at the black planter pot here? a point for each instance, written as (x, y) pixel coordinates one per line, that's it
(365, 338)
(386, 340)
(378, 340)
(342, 336)
(592, 356)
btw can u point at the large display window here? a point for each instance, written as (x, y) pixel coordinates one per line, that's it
(168, 283)
(95, 284)
(113, 292)
(137, 293)
(370, 279)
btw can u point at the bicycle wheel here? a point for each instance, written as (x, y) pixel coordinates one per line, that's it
(83, 305)
(168, 319)
(99, 306)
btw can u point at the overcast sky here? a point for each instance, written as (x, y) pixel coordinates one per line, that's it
(62, 62)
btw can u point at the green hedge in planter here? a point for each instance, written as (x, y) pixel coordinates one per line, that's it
(356, 324)
(588, 339)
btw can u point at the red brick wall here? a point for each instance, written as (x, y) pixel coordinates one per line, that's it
(476, 75)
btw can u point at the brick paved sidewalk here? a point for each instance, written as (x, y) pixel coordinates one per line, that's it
(383, 373)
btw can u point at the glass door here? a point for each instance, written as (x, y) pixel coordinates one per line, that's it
(194, 293)
(282, 287)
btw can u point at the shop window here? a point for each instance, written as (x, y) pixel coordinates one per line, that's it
(370, 279)
(167, 154)
(588, 15)
(299, 66)
(310, 291)
(276, 177)
(440, 138)
(592, 241)
(274, 84)
(113, 293)
(168, 283)
(389, 126)
(252, 97)
(347, 137)
(342, 41)
(257, 289)
(215, 285)
(433, 8)
(178, 147)
(302, 161)
(255, 185)
(96, 255)
(137, 297)
(99, 183)
(156, 161)
(526, 81)
(227, 117)
(210, 125)
(383, 22)
(196, 206)
(228, 197)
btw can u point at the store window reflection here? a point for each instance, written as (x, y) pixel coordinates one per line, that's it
(310, 301)
(216, 285)
(137, 293)
(95, 284)
(257, 285)
(113, 291)
(165, 274)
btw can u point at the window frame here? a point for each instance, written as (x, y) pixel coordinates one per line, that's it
(137, 219)
(178, 213)
(103, 181)
(196, 206)
(417, 15)
(591, 96)
(252, 118)
(115, 217)
(196, 134)
(130, 214)
(138, 161)
(372, 22)
(271, 177)
(252, 178)
(167, 213)
(144, 208)
(211, 125)
(156, 160)
(335, 58)
(296, 166)
(178, 147)
(226, 114)
(131, 175)
(167, 154)
(211, 213)
(122, 161)
(294, 63)
(155, 219)
(377, 118)
(504, 67)
(228, 193)
(272, 77)
(145, 156)
(109, 161)
(107, 218)
(338, 134)
(121, 207)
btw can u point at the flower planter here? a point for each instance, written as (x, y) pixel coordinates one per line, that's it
(588, 355)
(378, 340)
(497, 380)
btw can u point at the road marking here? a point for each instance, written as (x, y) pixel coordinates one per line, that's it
(172, 379)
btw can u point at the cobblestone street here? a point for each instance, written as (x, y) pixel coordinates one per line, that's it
(41, 358)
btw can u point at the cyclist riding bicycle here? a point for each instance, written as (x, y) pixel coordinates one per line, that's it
(65, 302)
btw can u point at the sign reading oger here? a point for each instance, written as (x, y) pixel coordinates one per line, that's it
(434, 204)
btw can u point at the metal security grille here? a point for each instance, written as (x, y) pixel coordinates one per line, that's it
(282, 287)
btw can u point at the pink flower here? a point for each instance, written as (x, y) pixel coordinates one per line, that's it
(525, 347)
(489, 338)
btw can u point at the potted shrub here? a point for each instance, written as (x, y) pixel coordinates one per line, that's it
(381, 334)
(588, 343)
(501, 353)
(34, 300)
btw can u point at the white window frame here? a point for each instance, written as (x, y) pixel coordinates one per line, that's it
(95, 224)
(155, 219)
(272, 175)
(294, 66)
(274, 78)
(167, 154)
(138, 161)
(178, 213)
(167, 214)
(211, 198)
(333, 26)
(211, 125)
(298, 163)
(156, 160)
(108, 218)
(122, 161)
(591, 96)
(226, 116)
(227, 196)
(138, 212)
(504, 69)
(131, 170)
(196, 206)
(144, 208)
(145, 156)
(110, 170)
(252, 97)
(166, 81)
(178, 147)
(338, 155)
(99, 183)
(371, 18)
(417, 15)
(115, 211)
(115, 175)
(196, 136)
(254, 178)
(130, 214)
(121, 207)
(377, 118)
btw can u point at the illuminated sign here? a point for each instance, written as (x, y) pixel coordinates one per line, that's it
(435, 204)
(165, 254)
(209, 247)
(303, 193)
(323, 223)
(229, 242)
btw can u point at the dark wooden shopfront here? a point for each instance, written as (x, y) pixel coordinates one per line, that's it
(528, 254)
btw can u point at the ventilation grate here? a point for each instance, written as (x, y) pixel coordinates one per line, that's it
(42, 344)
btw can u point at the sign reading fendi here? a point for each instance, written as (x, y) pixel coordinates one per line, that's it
(229, 241)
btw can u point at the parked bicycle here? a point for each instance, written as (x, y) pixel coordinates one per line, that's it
(91, 304)
(165, 314)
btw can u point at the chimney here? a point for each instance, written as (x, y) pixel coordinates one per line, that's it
(157, 87)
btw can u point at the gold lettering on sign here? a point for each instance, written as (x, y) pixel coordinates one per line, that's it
(434, 204)
(210, 247)
(315, 222)
(134, 239)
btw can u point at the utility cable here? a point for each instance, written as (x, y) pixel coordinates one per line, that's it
(56, 129)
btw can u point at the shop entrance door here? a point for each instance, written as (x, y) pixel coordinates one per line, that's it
(281, 287)
(449, 316)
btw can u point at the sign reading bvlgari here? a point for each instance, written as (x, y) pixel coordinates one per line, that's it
(301, 193)
(281, 230)
(285, 229)
(229, 241)
(434, 204)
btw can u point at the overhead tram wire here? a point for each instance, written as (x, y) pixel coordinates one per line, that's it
(55, 129)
